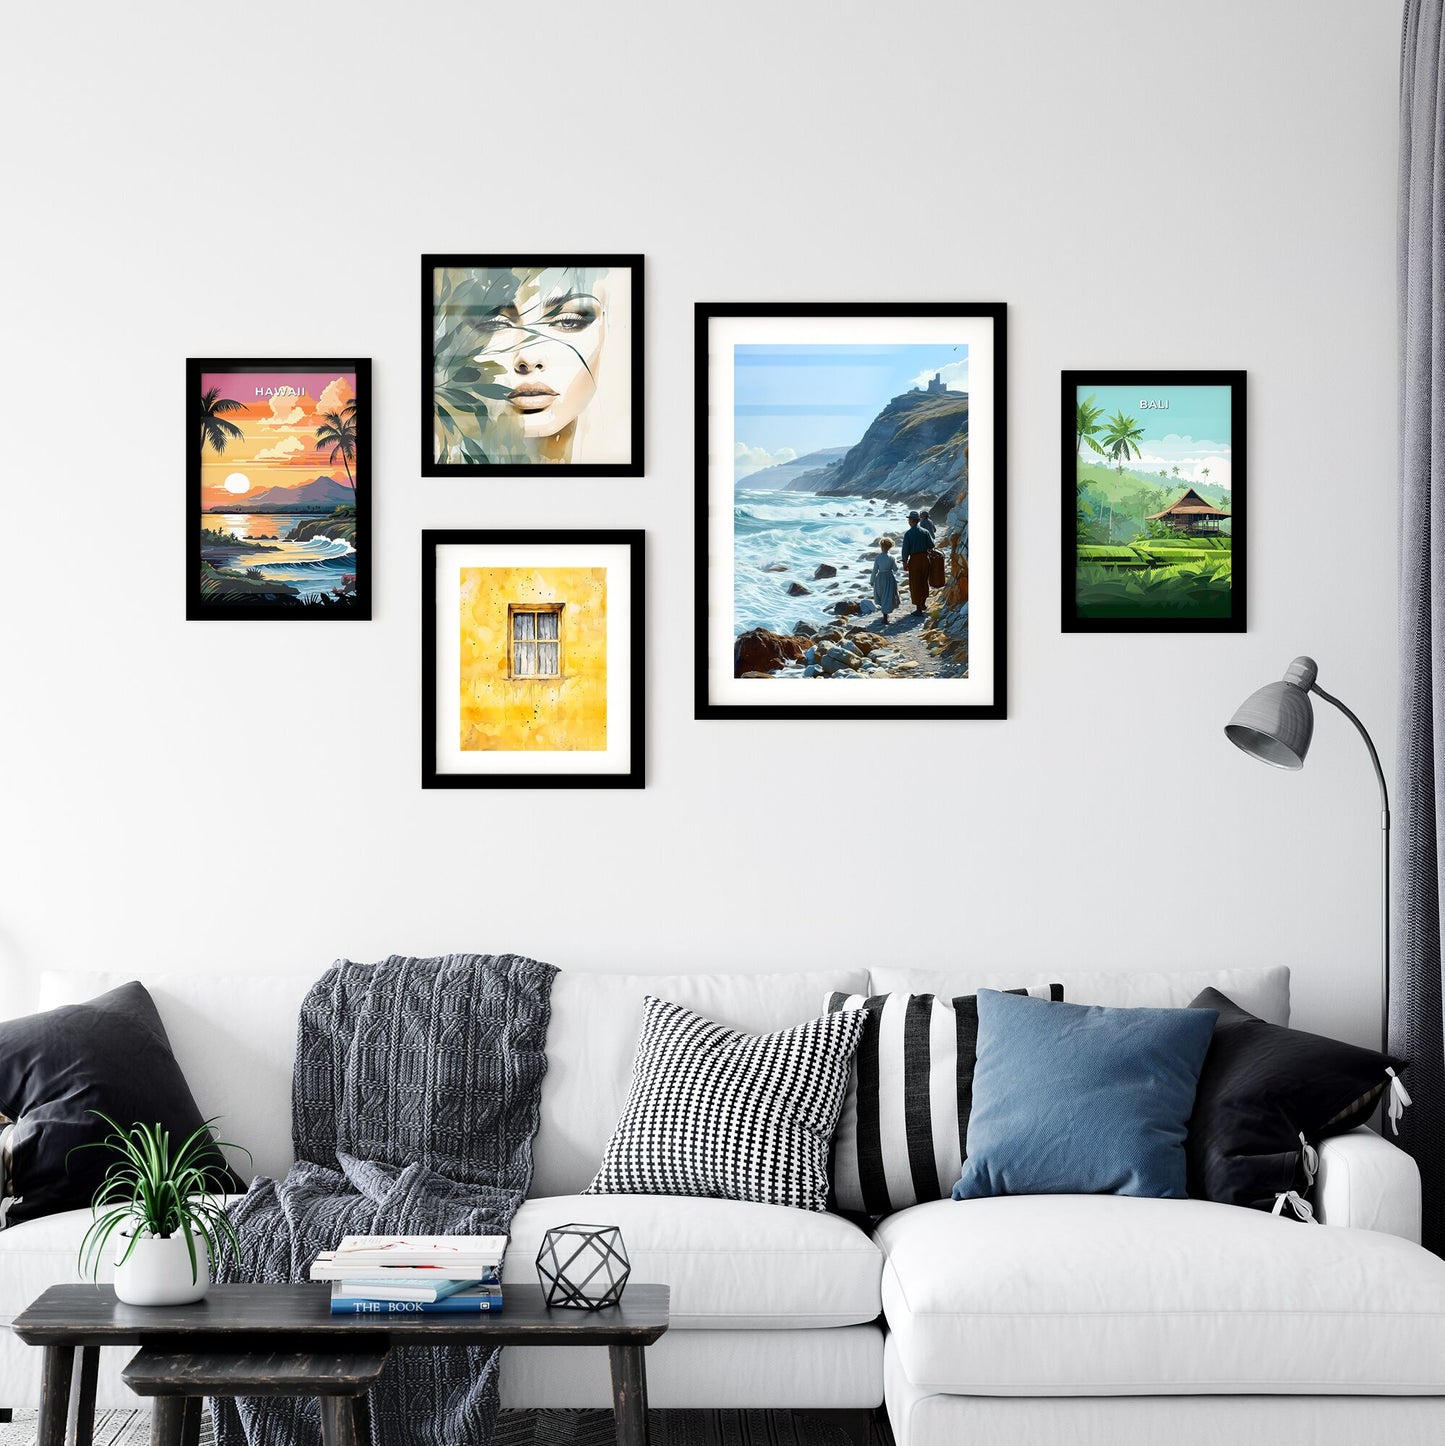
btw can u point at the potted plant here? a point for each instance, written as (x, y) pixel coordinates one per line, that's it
(160, 1208)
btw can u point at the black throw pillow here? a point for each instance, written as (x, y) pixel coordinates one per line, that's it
(109, 1054)
(1261, 1089)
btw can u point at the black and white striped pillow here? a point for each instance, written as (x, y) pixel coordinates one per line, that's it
(717, 1112)
(903, 1131)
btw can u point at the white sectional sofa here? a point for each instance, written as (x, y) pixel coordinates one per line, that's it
(1020, 1320)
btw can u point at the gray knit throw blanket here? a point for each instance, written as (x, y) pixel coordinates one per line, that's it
(416, 1095)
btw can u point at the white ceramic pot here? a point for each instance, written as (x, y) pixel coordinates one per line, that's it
(158, 1271)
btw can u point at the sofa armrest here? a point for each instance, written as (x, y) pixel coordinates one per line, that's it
(1367, 1182)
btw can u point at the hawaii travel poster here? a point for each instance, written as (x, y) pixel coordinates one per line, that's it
(278, 495)
(1154, 502)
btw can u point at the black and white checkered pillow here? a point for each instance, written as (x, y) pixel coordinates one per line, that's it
(713, 1111)
(904, 1124)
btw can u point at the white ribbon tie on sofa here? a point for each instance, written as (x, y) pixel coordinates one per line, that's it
(1399, 1097)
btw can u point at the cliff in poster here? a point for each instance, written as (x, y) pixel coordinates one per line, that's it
(916, 447)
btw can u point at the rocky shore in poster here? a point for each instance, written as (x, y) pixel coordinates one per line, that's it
(851, 640)
(807, 531)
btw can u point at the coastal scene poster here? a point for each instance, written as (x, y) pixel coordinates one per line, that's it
(852, 481)
(1154, 502)
(279, 513)
(532, 651)
(531, 362)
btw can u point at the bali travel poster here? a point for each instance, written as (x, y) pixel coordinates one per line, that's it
(1154, 502)
(279, 506)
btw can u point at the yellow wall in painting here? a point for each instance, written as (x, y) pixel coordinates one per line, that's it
(502, 713)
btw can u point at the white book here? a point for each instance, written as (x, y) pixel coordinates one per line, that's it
(325, 1267)
(390, 1250)
(386, 1290)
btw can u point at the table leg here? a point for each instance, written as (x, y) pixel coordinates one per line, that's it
(629, 1394)
(168, 1415)
(362, 1405)
(85, 1395)
(191, 1421)
(55, 1395)
(341, 1421)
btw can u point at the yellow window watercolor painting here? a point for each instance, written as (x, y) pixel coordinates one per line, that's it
(533, 660)
(532, 652)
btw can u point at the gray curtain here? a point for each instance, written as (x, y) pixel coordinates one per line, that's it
(1419, 882)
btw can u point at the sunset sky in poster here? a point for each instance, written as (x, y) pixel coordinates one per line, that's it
(279, 448)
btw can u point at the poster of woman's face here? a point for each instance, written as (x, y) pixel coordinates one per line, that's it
(531, 362)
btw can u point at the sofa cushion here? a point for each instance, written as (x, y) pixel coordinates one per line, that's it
(731, 1265)
(904, 1120)
(1266, 1097)
(69, 1078)
(722, 1113)
(1080, 1099)
(1264, 992)
(37, 1254)
(234, 1037)
(1097, 1295)
(590, 1043)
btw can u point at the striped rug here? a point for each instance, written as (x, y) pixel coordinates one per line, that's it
(540, 1428)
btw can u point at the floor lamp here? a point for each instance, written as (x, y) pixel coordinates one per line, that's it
(1275, 725)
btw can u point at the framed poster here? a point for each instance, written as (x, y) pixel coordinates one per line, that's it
(850, 510)
(531, 362)
(532, 659)
(1154, 503)
(278, 489)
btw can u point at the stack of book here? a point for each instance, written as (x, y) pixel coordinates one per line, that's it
(400, 1274)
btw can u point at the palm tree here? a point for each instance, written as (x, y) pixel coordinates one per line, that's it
(215, 429)
(1204, 474)
(338, 431)
(1086, 423)
(1176, 469)
(1121, 441)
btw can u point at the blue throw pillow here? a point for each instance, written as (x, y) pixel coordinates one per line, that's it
(1074, 1099)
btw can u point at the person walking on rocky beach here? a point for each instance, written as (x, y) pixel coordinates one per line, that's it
(926, 523)
(916, 546)
(885, 579)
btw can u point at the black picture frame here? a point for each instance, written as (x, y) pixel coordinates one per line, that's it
(634, 467)
(635, 540)
(199, 609)
(705, 708)
(1077, 379)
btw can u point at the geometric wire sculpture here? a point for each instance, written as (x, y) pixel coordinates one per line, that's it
(583, 1267)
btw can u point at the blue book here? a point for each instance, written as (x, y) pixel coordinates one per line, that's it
(466, 1302)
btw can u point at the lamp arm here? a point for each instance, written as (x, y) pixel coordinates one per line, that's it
(1384, 866)
(1369, 743)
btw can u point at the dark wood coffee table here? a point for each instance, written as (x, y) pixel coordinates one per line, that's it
(248, 1322)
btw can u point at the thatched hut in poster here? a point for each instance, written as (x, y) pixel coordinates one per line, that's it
(1191, 514)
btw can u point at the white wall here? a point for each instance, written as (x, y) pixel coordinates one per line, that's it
(1173, 185)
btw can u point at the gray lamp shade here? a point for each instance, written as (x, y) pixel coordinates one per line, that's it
(1276, 722)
